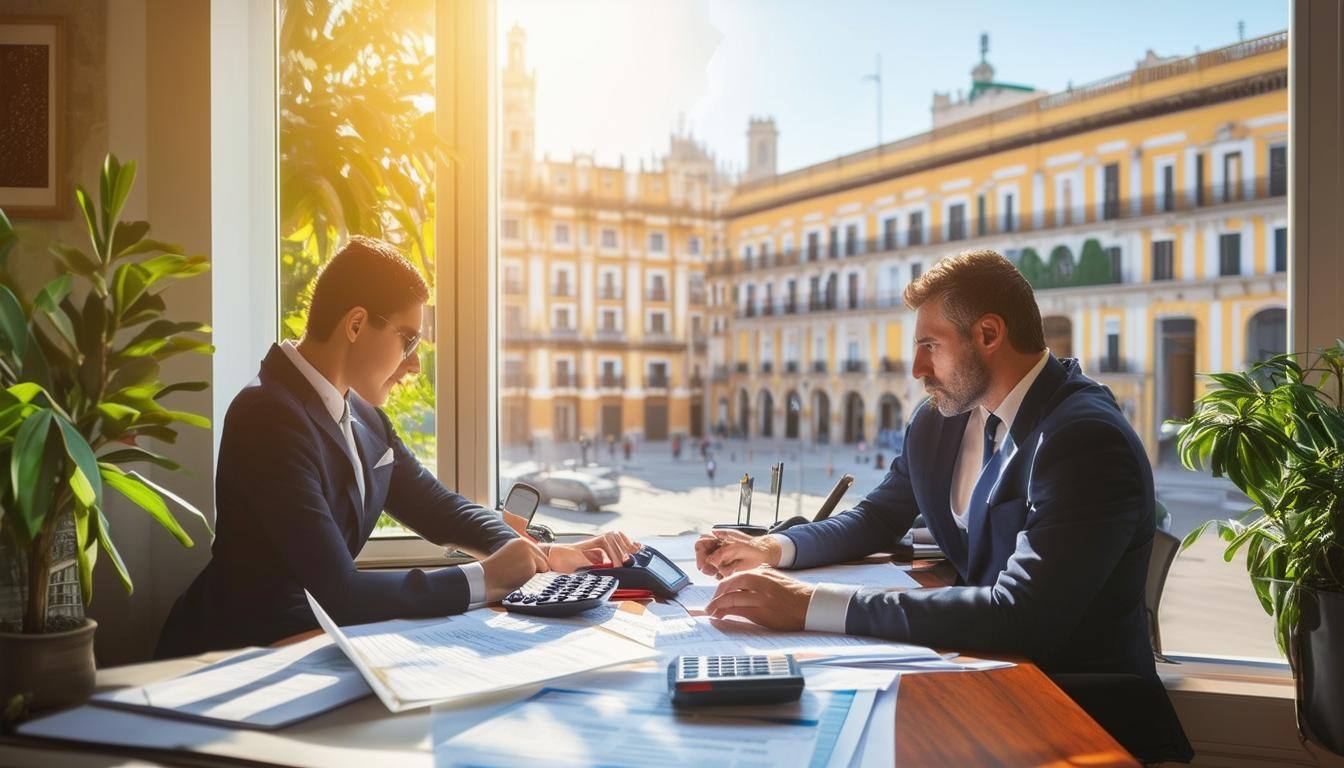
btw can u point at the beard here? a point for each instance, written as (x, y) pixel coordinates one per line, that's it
(963, 387)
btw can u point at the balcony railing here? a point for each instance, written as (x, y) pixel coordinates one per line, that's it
(611, 381)
(516, 380)
(818, 366)
(656, 296)
(565, 333)
(562, 289)
(657, 382)
(697, 381)
(1181, 200)
(566, 381)
(608, 292)
(855, 366)
(513, 287)
(1113, 365)
(791, 366)
(767, 367)
(740, 367)
(892, 366)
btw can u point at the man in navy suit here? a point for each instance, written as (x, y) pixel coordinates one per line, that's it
(308, 462)
(1029, 478)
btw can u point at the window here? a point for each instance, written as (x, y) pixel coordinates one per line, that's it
(1278, 171)
(1110, 208)
(956, 221)
(832, 198)
(1163, 261)
(889, 234)
(561, 319)
(509, 229)
(914, 234)
(1229, 254)
(561, 234)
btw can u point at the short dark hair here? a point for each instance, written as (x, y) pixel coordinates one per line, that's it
(973, 284)
(366, 272)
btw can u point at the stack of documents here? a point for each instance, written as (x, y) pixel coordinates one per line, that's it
(411, 664)
(903, 658)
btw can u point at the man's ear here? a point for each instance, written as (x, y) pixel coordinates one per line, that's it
(993, 331)
(355, 320)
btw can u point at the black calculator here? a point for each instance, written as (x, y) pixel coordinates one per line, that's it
(700, 681)
(560, 594)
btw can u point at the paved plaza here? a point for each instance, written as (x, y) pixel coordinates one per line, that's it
(1208, 606)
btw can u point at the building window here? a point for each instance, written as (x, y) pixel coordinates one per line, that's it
(956, 221)
(562, 234)
(980, 215)
(1229, 254)
(889, 234)
(1231, 176)
(1110, 207)
(657, 242)
(833, 247)
(1199, 179)
(693, 246)
(1008, 201)
(1113, 254)
(1281, 249)
(914, 234)
(916, 269)
(658, 322)
(657, 288)
(560, 319)
(513, 318)
(509, 229)
(851, 239)
(610, 321)
(1164, 260)
(853, 290)
(813, 246)
(1278, 171)
(608, 238)
(1169, 188)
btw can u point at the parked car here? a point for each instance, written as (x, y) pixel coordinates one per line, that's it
(603, 471)
(584, 491)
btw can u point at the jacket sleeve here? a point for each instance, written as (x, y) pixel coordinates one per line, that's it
(270, 465)
(873, 525)
(1085, 501)
(417, 500)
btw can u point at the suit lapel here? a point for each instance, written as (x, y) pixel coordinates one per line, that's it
(371, 449)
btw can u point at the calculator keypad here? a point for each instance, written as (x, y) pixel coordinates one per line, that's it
(698, 667)
(559, 594)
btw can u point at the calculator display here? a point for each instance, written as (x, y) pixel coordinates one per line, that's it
(663, 570)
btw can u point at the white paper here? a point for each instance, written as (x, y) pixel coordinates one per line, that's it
(825, 677)
(264, 688)
(415, 664)
(702, 635)
(877, 746)
(579, 727)
(867, 576)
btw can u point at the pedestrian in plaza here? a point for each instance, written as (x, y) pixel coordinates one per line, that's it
(710, 468)
(627, 447)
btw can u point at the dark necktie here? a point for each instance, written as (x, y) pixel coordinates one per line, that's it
(991, 429)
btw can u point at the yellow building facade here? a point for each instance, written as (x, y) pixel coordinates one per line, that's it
(602, 280)
(1148, 209)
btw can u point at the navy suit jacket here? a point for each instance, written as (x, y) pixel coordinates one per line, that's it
(1052, 568)
(289, 518)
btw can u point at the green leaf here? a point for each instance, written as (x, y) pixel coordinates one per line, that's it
(13, 323)
(127, 234)
(136, 453)
(53, 293)
(74, 259)
(7, 239)
(181, 502)
(182, 386)
(149, 246)
(135, 490)
(86, 207)
(105, 541)
(77, 448)
(121, 189)
(30, 470)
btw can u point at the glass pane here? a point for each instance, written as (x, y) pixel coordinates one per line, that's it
(356, 91)
(1147, 226)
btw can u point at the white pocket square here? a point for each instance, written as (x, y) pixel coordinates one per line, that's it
(387, 459)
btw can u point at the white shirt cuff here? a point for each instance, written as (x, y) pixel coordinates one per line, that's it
(829, 608)
(787, 551)
(475, 584)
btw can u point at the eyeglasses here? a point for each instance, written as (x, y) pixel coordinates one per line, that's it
(409, 343)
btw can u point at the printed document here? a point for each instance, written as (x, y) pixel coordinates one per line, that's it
(418, 663)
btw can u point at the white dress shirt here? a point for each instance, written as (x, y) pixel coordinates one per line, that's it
(829, 606)
(337, 405)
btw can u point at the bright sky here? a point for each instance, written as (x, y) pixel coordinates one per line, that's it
(615, 77)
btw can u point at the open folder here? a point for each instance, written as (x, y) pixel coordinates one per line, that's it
(411, 664)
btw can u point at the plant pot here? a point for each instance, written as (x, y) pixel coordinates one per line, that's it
(54, 669)
(1320, 668)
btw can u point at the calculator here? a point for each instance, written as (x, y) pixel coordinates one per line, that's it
(699, 681)
(560, 594)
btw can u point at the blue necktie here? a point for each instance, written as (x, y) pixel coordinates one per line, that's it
(991, 429)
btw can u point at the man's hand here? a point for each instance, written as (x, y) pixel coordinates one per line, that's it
(612, 547)
(764, 596)
(725, 551)
(510, 567)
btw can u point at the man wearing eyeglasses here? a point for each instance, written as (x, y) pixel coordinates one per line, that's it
(308, 462)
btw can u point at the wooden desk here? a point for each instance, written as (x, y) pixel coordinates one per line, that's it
(1008, 717)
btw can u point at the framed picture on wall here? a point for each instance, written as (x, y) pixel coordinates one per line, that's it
(32, 149)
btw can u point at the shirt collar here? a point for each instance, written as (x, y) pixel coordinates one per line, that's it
(1007, 410)
(330, 396)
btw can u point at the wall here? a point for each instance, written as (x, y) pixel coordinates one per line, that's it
(146, 98)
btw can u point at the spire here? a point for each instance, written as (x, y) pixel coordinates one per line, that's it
(983, 72)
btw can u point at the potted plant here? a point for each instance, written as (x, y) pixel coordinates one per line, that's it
(80, 388)
(1277, 432)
